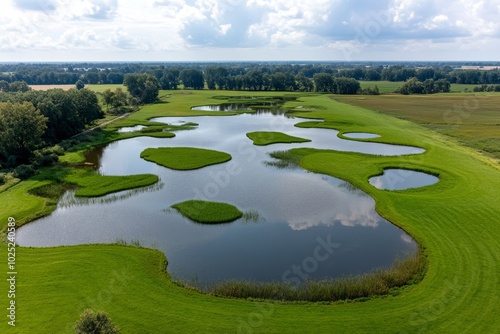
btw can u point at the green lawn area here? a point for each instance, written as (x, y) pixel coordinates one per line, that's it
(184, 158)
(455, 221)
(268, 137)
(206, 212)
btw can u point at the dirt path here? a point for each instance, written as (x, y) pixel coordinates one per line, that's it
(102, 125)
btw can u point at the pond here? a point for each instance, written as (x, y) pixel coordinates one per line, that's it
(360, 135)
(301, 215)
(131, 128)
(223, 107)
(401, 179)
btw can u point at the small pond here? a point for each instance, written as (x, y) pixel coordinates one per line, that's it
(298, 211)
(131, 128)
(223, 107)
(400, 179)
(360, 135)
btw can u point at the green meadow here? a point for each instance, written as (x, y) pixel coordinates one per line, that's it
(456, 223)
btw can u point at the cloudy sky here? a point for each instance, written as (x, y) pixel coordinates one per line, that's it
(199, 30)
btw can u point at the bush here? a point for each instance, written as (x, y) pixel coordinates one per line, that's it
(45, 159)
(2, 179)
(24, 172)
(95, 323)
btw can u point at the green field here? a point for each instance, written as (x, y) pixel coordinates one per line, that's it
(473, 119)
(184, 158)
(102, 88)
(205, 212)
(267, 137)
(455, 221)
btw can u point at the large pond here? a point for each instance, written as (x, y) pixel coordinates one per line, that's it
(308, 226)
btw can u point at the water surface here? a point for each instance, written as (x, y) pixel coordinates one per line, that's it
(360, 135)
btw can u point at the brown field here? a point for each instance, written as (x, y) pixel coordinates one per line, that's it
(473, 119)
(47, 87)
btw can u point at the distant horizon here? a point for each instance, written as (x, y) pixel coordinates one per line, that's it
(481, 62)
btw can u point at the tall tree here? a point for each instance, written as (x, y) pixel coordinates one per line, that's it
(143, 87)
(192, 78)
(324, 83)
(21, 130)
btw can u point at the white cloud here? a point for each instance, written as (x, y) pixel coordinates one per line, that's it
(36, 5)
(316, 28)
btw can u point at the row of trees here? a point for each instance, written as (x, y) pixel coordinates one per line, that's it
(35, 119)
(16, 86)
(487, 88)
(428, 86)
(327, 83)
(233, 75)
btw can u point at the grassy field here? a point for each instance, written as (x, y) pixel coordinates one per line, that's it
(267, 137)
(473, 119)
(205, 212)
(455, 221)
(102, 88)
(184, 158)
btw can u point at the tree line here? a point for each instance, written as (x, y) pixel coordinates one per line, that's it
(242, 76)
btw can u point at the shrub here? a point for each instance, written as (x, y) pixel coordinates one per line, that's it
(45, 159)
(24, 172)
(95, 323)
(2, 179)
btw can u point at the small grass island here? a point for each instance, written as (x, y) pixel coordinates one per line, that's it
(262, 138)
(205, 212)
(184, 158)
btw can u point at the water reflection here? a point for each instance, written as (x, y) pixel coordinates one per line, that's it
(68, 199)
(223, 107)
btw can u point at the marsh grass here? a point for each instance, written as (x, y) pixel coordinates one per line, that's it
(133, 242)
(252, 216)
(404, 271)
(284, 160)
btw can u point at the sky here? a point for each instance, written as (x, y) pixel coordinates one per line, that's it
(249, 30)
